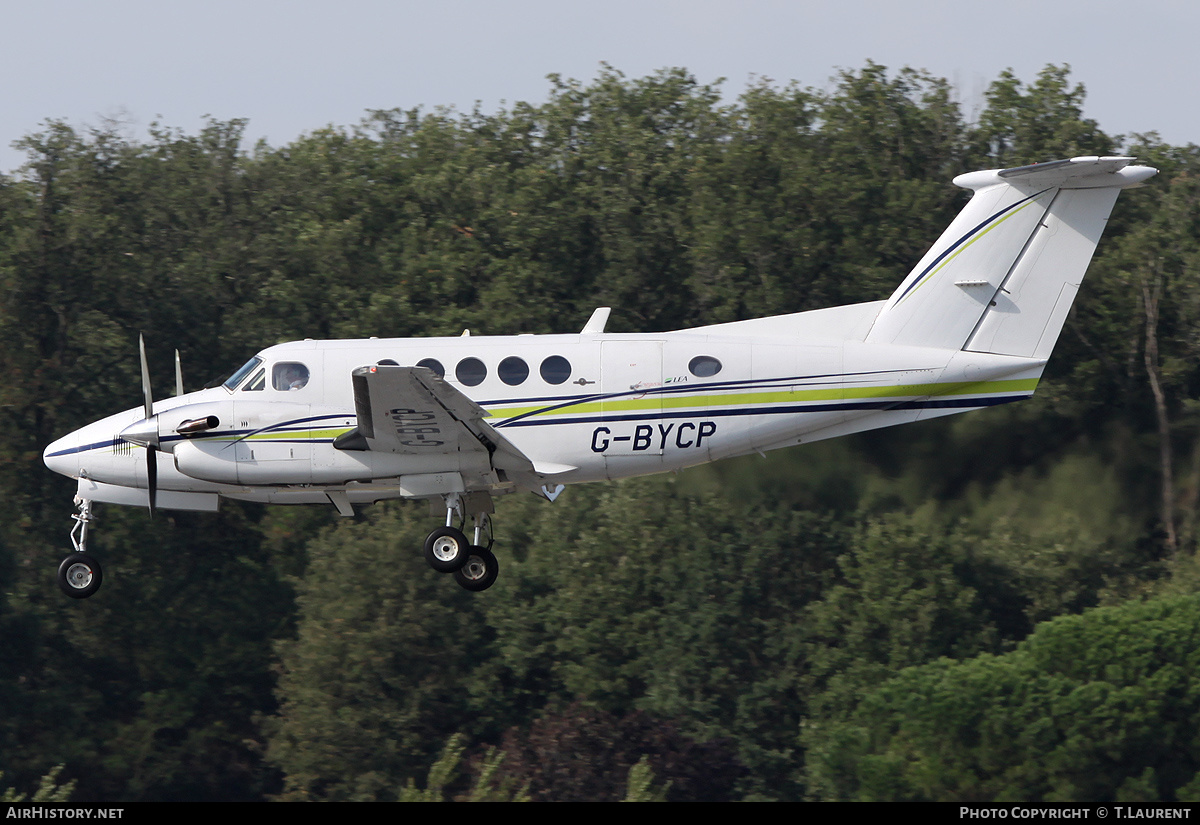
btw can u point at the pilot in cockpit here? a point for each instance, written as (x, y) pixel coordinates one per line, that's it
(289, 376)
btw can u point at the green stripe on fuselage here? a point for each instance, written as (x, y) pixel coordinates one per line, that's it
(735, 400)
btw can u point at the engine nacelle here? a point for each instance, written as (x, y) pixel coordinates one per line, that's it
(208, 460)
(258, 463)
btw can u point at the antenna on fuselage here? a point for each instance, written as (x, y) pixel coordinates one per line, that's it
(597, 322)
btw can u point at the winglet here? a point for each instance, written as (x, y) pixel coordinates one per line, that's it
(597, 322)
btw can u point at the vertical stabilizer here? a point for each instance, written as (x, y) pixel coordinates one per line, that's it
(1002, 277)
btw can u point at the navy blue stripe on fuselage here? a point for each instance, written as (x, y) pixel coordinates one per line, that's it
(682, 389)
(782, 409)
(236, 435)
(603, 418)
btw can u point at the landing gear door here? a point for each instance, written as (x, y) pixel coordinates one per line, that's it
(631, 403)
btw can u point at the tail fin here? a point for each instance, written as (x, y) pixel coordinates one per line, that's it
(1002, 277)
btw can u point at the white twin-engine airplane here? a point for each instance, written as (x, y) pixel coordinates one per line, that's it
(458, 421)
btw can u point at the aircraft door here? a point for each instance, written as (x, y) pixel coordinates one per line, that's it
(631, 402)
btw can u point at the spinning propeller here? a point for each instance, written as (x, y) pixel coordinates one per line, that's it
(144, 433)
(148, 400)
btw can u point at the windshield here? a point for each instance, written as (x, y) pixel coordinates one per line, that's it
(235, 379)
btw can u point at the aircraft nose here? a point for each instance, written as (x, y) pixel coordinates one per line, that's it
(63, 456)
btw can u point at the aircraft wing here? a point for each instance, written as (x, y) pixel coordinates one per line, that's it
(413, 411)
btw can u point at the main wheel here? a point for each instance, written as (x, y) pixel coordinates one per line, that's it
(446, 549)
(480, 571)
(79, 575)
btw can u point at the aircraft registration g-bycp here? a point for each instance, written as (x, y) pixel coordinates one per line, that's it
(458, 421)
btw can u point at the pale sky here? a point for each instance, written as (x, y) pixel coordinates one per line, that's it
(292, 67)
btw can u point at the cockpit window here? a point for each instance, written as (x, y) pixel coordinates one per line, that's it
(256, 382)
(289, 375)
(232, 381)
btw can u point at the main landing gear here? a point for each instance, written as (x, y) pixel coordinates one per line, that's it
(447, 550)
(80, 575)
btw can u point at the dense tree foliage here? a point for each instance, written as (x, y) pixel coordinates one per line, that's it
(1102, 706)
(995, 606)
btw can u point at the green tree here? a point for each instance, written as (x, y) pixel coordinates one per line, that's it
(1042, 121)
(378, 674)
(1099, 707)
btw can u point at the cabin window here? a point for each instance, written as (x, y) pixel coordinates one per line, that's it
(257, 382)
(513, 370)
(287, 376)
(435, 365)
(471, 371)
(232, 381)
(704, 366)
(555, 369)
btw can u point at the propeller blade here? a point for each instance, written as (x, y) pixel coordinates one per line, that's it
(152, 477)
(178, 375)
(151, 458)
(146, 395)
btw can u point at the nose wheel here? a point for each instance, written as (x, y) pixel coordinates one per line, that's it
(80, 575)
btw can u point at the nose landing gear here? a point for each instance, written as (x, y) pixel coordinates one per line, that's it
(80, 575)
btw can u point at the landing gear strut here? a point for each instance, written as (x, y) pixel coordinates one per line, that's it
(447, 550)
(80, 575)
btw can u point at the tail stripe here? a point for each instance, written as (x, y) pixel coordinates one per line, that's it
(965, 241)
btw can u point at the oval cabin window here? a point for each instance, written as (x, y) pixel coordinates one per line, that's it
(704, 366)
(471, 371)
(436, 366)
(555, 369)
(513, 370)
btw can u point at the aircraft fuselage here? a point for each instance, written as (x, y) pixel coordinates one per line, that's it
(582, 407)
